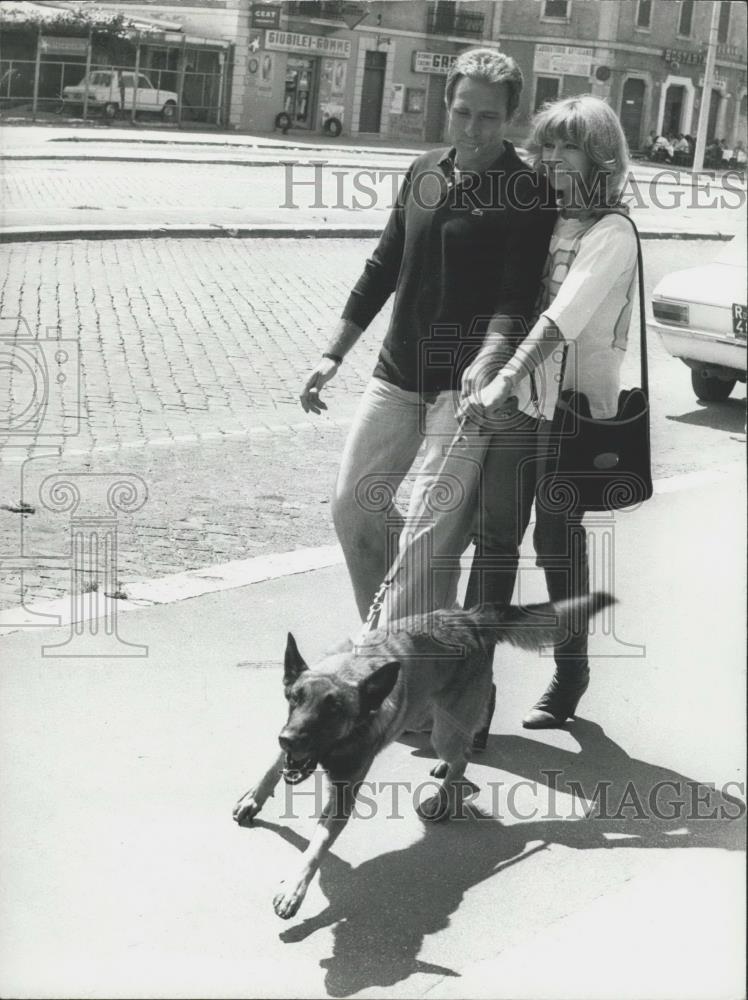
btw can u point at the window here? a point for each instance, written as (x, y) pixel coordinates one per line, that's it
(558, 10)
(145, 83)
(723, 28)
(686, 18)
(644, 14)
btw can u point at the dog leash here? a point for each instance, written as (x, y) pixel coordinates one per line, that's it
(461, 438)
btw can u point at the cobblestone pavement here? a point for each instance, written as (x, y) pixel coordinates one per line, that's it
(191, 354)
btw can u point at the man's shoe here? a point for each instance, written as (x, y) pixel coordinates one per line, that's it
(480, 740)
(559, 701)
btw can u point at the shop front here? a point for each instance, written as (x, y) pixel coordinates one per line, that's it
(298, 80)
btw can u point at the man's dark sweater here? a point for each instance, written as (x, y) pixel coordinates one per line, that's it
(455, 255)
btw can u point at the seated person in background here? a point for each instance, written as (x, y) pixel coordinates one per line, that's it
(662, 150)
(681, 150)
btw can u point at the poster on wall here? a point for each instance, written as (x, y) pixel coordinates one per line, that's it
(265, 75)
(333, 74)
(398, 96)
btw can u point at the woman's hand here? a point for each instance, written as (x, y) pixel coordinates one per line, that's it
(310, 398)
(494, 399)
(485, 366)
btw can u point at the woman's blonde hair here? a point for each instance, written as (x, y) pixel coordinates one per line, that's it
(592, 125)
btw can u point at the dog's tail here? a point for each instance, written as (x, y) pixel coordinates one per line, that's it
(531, 626)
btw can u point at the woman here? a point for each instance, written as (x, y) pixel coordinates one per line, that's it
(580, 337)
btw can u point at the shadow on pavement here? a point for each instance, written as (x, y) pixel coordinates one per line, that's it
(383, 909)
(727, 416)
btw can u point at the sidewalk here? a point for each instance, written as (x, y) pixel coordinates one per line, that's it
(124, 875)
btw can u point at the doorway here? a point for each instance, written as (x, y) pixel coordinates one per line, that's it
(671, 120)
(546, 89)
(372, 92)
(299, 96)
(632, 105)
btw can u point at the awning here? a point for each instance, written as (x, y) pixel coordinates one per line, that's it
(153, 31)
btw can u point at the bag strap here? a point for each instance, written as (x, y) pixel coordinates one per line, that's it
(642, 310)
(642, 318)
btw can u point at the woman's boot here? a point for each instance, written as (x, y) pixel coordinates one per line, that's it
(560, 699)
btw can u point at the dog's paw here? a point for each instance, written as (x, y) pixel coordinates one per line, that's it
(439, 770)
(434, 809)
(287, 901)
(247, 808)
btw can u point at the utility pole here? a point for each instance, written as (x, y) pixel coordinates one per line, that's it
(706, 90)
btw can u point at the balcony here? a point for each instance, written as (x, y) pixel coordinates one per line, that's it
(332, 10)
(441, 22)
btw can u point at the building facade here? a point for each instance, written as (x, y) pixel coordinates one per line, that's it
(380, 68)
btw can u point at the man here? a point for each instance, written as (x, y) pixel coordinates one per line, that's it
(465, 242)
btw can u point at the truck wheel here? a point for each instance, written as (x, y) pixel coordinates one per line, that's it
(169, 111)
(110, 110)
(711, 389)
(333, 127)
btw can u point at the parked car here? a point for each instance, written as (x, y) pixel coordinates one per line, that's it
(111, 91)
(701, 317)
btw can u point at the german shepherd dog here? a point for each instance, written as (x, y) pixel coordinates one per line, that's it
(431, 669)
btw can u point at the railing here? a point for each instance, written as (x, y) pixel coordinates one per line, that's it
(201, 93)
(443, 23)
(330, 10)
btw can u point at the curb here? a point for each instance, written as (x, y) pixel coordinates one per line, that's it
(285, 162)
(205, 580)
(30, 234)
(281, 230)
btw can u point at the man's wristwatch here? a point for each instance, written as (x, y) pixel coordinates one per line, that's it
(333, 357)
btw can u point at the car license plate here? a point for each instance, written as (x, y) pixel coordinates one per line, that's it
(739, 321)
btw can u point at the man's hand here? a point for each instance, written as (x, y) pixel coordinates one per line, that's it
(310, 394)
(496, 399)
(485, 366)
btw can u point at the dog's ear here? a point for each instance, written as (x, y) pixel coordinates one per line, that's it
(375, 688)
(294, 664)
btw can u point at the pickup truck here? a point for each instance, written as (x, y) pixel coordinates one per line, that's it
(111, 91)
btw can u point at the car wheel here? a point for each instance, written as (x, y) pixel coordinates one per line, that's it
(110, 110)
(169, 111)
(283, 121)
(710, 388)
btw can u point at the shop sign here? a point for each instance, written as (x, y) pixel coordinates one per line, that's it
(293, 41)
(265, 15)
(565, 60)
(63, 46)
(433, 62)
(684, 57)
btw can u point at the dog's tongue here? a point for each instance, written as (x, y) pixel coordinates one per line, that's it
(296, 770)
